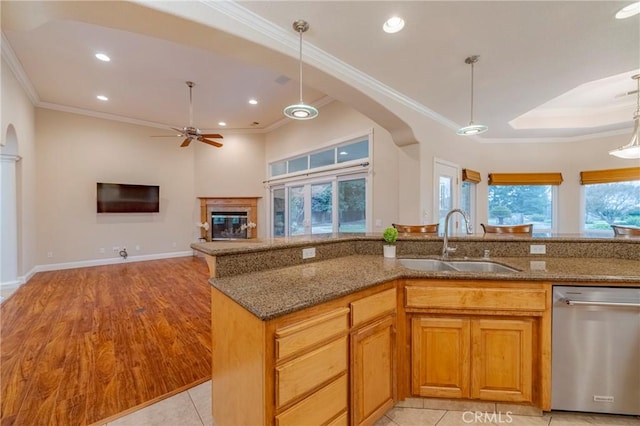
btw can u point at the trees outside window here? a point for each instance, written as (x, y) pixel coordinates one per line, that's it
(609, 204)
(516, 204)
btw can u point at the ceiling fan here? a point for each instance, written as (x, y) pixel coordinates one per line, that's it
(190, 133)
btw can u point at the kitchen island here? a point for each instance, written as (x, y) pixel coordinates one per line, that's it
(343, 335)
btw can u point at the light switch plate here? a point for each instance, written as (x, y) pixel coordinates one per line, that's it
(308, 253)
(538, 249)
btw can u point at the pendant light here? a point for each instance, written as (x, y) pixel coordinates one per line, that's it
(301, 111)
(472, 129)
(632, 149)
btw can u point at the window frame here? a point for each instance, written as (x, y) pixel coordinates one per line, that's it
(339, 171)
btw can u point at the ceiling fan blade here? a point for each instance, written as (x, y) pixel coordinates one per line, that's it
(213, 143)
(212, 135)
(186, 142)
(180, 131)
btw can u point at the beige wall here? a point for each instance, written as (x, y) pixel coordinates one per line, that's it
(75, 152)
(18, 111)
(336, 122)
(569, 158)
(64, 155)
(235, 170)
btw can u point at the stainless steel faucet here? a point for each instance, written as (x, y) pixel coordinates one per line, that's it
(445, 246)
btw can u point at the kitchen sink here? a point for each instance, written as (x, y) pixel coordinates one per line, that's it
(426, 265)
(454, 265)
(483, 266)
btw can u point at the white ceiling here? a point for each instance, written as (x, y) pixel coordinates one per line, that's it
(553, 69)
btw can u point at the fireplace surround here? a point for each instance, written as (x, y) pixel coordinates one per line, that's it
(229, 217)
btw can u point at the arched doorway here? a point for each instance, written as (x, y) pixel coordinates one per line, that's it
(9, 159)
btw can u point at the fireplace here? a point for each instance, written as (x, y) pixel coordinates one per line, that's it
(228, 225)
(229, 218)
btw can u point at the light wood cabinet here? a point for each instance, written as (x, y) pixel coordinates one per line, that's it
(479, 340)
(325, 365)
(440, 357)
(319, 408)
(472, 358)
(502, 359)
(373, 356)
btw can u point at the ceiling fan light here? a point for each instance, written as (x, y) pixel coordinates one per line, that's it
(301, 112)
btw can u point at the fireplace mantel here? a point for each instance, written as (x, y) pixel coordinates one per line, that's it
(248, 204)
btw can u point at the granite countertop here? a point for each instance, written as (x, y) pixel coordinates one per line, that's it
(220, 247)
(275, 292)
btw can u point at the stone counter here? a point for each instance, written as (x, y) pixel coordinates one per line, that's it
(228, 258)
(275, 292)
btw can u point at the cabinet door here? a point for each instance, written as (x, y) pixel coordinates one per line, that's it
(373, 370)
(440, 357)
(502, 361)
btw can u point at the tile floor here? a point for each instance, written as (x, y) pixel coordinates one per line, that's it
(193, 408)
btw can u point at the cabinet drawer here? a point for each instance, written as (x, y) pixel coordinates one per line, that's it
(342, 420)
(476, 298)
(373, 306)
(319, 408)
(303, 374)
(304, 334)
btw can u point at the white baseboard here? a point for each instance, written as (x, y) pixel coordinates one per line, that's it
(9, 285)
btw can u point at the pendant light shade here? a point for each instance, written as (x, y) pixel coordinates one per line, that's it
(472, 128)
(632, 149)
(300, 111)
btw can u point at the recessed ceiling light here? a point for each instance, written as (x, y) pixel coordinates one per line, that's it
(629, 10)
(393, 25)
(102, 98)
(103, 57)
(253, 102)
(222, 123)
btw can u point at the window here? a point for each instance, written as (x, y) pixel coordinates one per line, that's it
(516, 198)
(334, 200)
(344, 153)
(611, 197)
(312, 207)
(352, 204)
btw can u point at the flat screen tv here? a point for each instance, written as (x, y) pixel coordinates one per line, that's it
(124, 198)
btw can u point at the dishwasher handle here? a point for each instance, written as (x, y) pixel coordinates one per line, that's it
(596, 303)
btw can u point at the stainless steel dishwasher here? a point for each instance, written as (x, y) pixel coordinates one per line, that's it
(596, 349)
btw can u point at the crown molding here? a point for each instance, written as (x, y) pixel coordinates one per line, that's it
(102, 115)
(16, 67)
(320, 58)
(547, 139)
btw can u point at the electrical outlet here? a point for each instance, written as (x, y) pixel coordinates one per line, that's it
(49, 254)
(101, 250)
(115, 249)
(538, 265)
(378, 222)
(537, 249)
(174, 244)
(137, 248)
(308, 253)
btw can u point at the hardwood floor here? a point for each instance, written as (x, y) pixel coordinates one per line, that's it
(81, 346)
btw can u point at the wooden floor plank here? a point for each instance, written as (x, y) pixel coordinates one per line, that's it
(81, 345)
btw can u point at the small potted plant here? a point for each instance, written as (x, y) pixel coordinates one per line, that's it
(390, 236)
